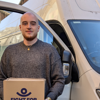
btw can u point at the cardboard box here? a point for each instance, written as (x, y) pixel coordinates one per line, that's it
(23, 89)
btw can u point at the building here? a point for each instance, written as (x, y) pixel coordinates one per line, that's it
(22, 2)
(3, 14)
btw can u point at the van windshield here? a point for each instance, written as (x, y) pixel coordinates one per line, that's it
(87, 33)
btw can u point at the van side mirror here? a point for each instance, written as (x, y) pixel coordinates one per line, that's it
(67, 66)
(70, 69)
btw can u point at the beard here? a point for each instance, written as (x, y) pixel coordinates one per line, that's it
(30, 38)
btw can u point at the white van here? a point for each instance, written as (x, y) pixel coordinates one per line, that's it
(73, 27)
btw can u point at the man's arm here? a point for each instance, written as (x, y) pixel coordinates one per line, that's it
(2, 73)
(1, 85)
(2, 77)
(57, 79)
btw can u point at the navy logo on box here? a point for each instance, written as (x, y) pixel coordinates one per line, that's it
(23, 95)
(23, 92)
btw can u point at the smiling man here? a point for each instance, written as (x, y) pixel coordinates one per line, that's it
(33, 58)
(29, 28)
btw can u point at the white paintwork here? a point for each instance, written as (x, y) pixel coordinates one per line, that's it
(66, 93)
(90, 5)
(87, 86)
(63, 10)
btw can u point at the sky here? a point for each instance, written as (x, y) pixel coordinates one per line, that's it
(12, 1)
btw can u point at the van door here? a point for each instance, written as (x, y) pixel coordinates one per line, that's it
(10, 15)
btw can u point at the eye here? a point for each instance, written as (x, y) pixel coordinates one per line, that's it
(33, 23)
(24, 23)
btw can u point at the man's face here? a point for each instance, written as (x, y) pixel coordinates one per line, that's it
(29, 27)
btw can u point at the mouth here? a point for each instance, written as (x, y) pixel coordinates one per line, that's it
(29, 31)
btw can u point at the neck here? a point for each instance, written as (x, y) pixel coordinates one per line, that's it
(29, 43)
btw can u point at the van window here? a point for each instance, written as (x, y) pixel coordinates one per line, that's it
(46, 36)
(87, 33)
(59, 30)
(9, 26)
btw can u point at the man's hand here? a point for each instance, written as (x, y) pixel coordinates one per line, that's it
(48, 98)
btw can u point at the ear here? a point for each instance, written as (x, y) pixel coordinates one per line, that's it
(20, 27)
(38, 27)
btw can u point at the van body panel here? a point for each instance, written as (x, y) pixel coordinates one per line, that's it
(90, 5)
(86, 88)
(66, 93)
(33, 4)
(82, 14)
(75, 11)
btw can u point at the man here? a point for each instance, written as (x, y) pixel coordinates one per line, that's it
(33, 58)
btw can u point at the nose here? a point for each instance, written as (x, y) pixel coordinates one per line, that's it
(29, 25)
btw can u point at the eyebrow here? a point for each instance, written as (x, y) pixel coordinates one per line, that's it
(31, 21)
(34, 22)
